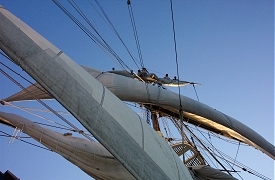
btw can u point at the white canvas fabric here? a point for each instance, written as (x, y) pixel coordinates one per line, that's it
(89, 156)
(133, 142)
(128, 89)
(203, 172)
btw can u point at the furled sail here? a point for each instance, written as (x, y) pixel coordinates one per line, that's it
(89, 156)
(92, 104)
(128, 89)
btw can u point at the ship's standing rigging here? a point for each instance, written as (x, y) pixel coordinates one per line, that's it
(145, 105)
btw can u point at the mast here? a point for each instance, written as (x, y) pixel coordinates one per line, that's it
(155, 121)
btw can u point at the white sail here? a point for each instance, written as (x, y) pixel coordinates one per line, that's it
(89, 156)
(123, 134)
(128, 89)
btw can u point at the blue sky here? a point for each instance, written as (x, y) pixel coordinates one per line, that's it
(227, 46)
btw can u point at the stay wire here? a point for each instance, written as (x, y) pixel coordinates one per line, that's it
(177, 65)
(135, 31)
(238, 164)
(205, 147)
(58, 127)
(236, 154)
(196, 93)
(19, 138)
(91, 35)
(24, 109)
(176, 52)
(215, 135)
(45, 105)
(220, 154)
(107, 46)
(85, 30)
(114, 30)
(20, 74)
(41, 110)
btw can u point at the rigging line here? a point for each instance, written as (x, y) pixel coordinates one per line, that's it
(178, 124)
(133, 105)
(45, 105)
(219, 153)
(231, 141)
(165, 127)
(206, 148)
(21, 75)
(19, 137)
(80, 12)
(211, 142)
(180, 129)
(177, 65)
(170, 133)
(8, 135)
(223, 155)
(7, 58)
(175, 48)
(209, 159)
(73, 130)
(114, 30)
(89, 34)
(196, 92)
(217, 136)
(135, 31)
(54, 126)
(239, 165)
(12, 105)
(236, 153)
(35, 109)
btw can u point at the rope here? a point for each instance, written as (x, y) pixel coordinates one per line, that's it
(104, 46)
(103, 42)
(45, 105)
(20, 74)
(110, 24)
(135, 31)
(209, 151)
(177, 65)
(176, 52)
(233, 161)
(239, 165)
(23, 109)
(217, 136)
(19, 138)
(196, 93)
(236, 154)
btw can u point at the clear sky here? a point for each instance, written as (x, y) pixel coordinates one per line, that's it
(227, 46)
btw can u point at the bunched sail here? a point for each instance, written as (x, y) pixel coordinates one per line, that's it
(138, 149)
(92, 104)
(89, 156)
(128, 89)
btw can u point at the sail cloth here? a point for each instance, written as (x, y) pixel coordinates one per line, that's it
(129, 139)
(128, 89)
(203, 172)
(89, 156)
